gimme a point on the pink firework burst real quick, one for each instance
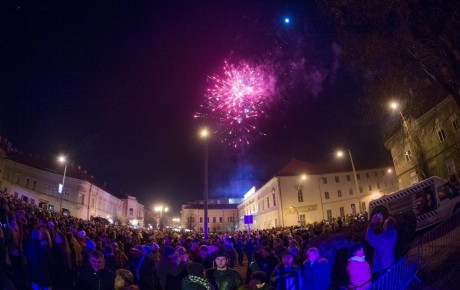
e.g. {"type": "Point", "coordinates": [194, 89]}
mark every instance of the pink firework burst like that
{"type": "Point", "coordinates": [237, 98]}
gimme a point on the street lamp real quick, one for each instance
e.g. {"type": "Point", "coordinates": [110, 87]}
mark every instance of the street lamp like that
{"type": "Point", "coordinates": [205, 135]}
{"type": "Point", "coordinates": [340, 154]}
{"type": "Point", "coordinates": [62, 159]}
{"type": "Point", "coordinates": [160, 209]}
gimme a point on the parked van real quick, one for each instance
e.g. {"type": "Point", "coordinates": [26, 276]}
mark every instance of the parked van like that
{"type": "Point", "coordinates": [429, 201]}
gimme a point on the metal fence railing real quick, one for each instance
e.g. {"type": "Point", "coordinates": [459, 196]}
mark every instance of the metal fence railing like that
{"type": "Point", "coordinates": [430, 258]}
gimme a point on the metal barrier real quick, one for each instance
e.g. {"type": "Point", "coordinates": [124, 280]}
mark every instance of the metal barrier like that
{"type": "Point", "coordinates": [397, 277]}
{"type": "Point", "coordinates": [434, 248]}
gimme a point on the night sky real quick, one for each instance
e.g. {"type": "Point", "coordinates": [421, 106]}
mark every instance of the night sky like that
{"type": "Point", "coordinates": [115, 88]}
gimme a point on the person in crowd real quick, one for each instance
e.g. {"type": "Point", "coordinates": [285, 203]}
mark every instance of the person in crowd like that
{"type": "Point", "coordinates": [315, 272]}
{"type": "Point", "coordinates": [266, 262]}
{"type": "Point", "coordinates": [249, 248]}
{"type": "Point", "coordinates": [285, 276]}
{"type": "Point", "coordinates": [170, 267]}
{"type": "Point", "coordinates": [278, 248]}
{"type": "Point", "coordinates": [95, 276]}
{"type": "Point", "coordinates": [122, 258]}
{"type": "Point", "coordinates": [62, 263]}
{"type": "Point", "coordinates": [257, 281]}
{"type": "Point", "coordinates": [222, 277]}
{"type": "Point", "coordinates": [294, 250]}
{"type": "Point", "coordinates": [195, 280]}
{"type": "Point", "coordinates": [231, 252]}
{"type": "Point", "coordinates": [358, 270]}
{"type": "Point", "coordinates": [39, 262]}
{"type": "Point", "coordinates": [110, 258]}
{"type": "Point", "coordinates": [239, 247]}
{"type": "Point", "coordinates": [146, 270]}
{"type": "Point", "coordinates": [124, 280]}
{"type": "Point", "coordinates": [383, 244]}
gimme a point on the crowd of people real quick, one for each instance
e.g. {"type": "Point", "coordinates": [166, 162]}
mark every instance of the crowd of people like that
{"type": "Point", "coordinates": [40, 249]}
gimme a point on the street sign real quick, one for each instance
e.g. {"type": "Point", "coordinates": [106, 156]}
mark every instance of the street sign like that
{"type": "Point", "coordinates": [248, 220]}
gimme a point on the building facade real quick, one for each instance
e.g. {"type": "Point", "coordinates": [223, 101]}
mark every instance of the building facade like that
{"type": "Point", "coordinates": [222, 215]}
{"type": "Point", "coordinates": [36, 181]}
{"type": "Point", "coordinates": [300, 194]}
{"type": "Point", "coordinates": [427, 146]}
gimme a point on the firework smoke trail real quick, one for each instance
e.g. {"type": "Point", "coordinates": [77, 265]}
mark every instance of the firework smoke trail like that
{"type": "Point", "coordinates": [236, 99]}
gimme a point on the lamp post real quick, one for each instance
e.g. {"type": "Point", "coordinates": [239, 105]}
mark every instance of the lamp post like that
{"type": "Point", "coordinates": [160, 209]}
{"type": "Point", "coordinates": [321, 196]}
{"type": "Point", "coordinates": [205, 134]}
{"type": "Point", "coordinates": [62, 159]}
{"type": "Point", "coordinates": [340, 154]}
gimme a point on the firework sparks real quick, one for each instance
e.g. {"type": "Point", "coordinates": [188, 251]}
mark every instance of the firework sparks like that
{"type": "Point", "coordinates": [236, 99]}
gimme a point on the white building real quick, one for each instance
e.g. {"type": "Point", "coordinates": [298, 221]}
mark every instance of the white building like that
{"type": "Point", "coordinates": [304, 193]}
{"type": "Point", "coordinates": [222, 215]}
{"type": "Point", "coordinates": [36, 180]}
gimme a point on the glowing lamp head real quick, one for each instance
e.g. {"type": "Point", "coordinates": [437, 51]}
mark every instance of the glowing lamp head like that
{"type": "Point", "coordinates": [303, 177]}
{"type": "Point", "coordinates": [287, 20]}
{"type": "Point", "coordinates": [62, 159]}
{"type": "Point", "coordinates": [339, 153]}
{"type": "Point", "coordinates": [394, 105]}
{"type": "Point", "coordinates": [204, 133]}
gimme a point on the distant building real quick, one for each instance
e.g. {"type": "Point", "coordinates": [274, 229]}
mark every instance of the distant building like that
{"type": "Point", "coordinates": [36, 180]}
{"type": "Point", "coordinates": [325, 192]}
{"type": "Point", "coordinates": [428, 145]}
{"type": "Point", "coordinates": [222, 215]}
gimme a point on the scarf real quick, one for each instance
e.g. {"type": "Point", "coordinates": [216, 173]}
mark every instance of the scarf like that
{"type": "Point", "coordinates": [357, 259]}
{"type": "Point", "coordinates": [199, 280]}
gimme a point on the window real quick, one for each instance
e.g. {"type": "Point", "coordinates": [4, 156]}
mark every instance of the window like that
{"type": "Point", "coordinates": [370, 187]}
{"type": "Point", "coordinates": [342, 211]}
{"type": "Point", "coordinates": [358, 176]}
{"type": "Point", "coordinates": [263, 205]}
{"type": "Point", "coordinates": [324, 180]}
{"type": "Point", "coordinates": [337, 180]}
{"type": "Point", "coordinates": [441, 135]}
{"type": "Point", "coordinates": [353, 209]}
{"type": "Point", "coordinates": [201, 229]}
{"type": "Point", "coordinates": [361, 189]}
{"type": "Point", "coordinates": [34, 185]}
{"type": "Point", "coordinates": [408, 155]}
{"type": "Point", "coordinates": [367, 174]}
{"type": "Point", "coordinates": [456, 125]}
{"type": "Point", "coordinates": [221, 219]}
{"type": "Point", "coordinates": [300, 195]}
{"type": "Point", "coordinates": [348, 178]}
{"type": "Point", "coordinates": [378, 185]}
{"type": "Point", "coordinates": [46, 188]}
{"type": "Point", "coordinates": [329, 214]}
{"type": "Point", "coordinates": [326, 195]}
{"type": "Point", "coordinates": [450, 166]}
{"type": "Point", "coordinates": [274, 199]}
{"type": "Point", "coordinates": [201, 219]}
{"type": "Point", "coordinates": [27, 182]}
{"type": "Point", "coordinates": [339, 193]}
{"type": "Point", "coordinates": [81, 198]}
{"type": "Point", "coordinates": [131, 211]}
{"type": "Point", "coordinates": [268, 202]}
{"type": "Point", "coordinates": [363, 206]}
{"type": "Point", "coordinates": [53, 189]}
{"type": "Point", "coordinates": [376, 174]}
{"type": "Point", "coordinates": [214, 219]}
{"type": "Point", "coordinates": [302, 219]}
{"type": "Point", "coordinates": [395, 162]}
{"type": "Point", "coordinates": [413, 178]}
{"type": "Point", "coordinates": [229, 219]}
{"type": "Point", "coordinates": [92, 202]}
{"type": "Point", "coordinates": [350, 191]}
{"type": "Point", "coordinates": [18, 179]}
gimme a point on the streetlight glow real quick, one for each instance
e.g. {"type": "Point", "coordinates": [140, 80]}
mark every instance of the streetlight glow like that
{"type": "Point", "coordinates": [339, 153]}
{"type": "Point", "coordinates": [204, 133]}
{"type": "Point", "coordinates": [303, 177]}
{"type": "Point", "coordinates": [394, 105]}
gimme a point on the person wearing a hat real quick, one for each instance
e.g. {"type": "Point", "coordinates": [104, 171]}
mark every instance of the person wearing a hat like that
{"type": "Point", "coordinates": [222, 277]}
{"type": "Point", "coordinates": [170, 267]}
{"type": "Point", "coordinates": [195, 279]}
{"type": "Point", "coordinates": [358, 270]}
